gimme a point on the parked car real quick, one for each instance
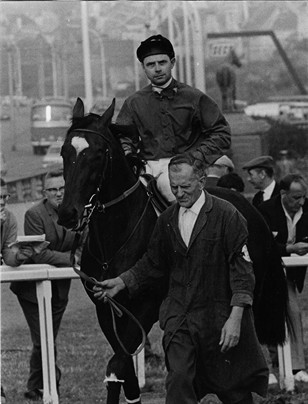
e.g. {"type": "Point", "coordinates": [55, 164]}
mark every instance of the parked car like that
{"type": "Point", "coordinates": [52, 157]}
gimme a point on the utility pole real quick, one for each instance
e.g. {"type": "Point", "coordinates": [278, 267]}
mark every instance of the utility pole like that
{"type": "Point", "coordinates": [11, 94]}
{"type": "Point", "coordinates": [54, 70]}
{"type": "Point", "coordinates": [171, 28]}
{"type": "Point", "coordinates": [86, 55]}
{"type": "Point", "coordinates": [187, 44]}
{"type": "Point", "coordinates": [198, 48]}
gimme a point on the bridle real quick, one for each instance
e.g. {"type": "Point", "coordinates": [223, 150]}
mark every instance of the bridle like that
{"type": "Point", "coordinates": [95, 204]}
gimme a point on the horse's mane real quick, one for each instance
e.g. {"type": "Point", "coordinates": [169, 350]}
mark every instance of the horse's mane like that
{"type": "Point", "coordinates": [83, 122]}
{"type": "Point", "coordinates": [135, 162]}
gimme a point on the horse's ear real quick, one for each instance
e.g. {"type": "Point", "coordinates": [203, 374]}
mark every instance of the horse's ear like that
{"type": "Point", "coordinates": [78, 110]}
{"type": "Point", "coordinates": [108, 114]}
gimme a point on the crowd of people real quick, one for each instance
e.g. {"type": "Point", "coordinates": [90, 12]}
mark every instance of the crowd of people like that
{"type": "Point", "coordinates": [199, 242]}
{"type": "Point", "coordinates": [41, 219]}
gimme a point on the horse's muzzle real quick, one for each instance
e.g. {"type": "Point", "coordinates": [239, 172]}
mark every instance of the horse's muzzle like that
{"type": "Point", "coordinates": [68, 217]}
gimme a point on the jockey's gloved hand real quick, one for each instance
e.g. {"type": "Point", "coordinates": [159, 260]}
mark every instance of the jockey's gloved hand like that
{"type": "Point", "coordinates": [136, 163]}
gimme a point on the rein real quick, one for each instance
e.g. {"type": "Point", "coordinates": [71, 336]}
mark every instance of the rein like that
{"type": "Point", "coordinates": [115, 307]}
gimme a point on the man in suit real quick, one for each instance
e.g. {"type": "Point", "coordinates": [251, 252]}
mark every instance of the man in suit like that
{"type": "Point", "coordinates": [223, 165]}
{"type": "Point", "coordinates": [198, 249]}
{"type": "Point", "coordinates": [10, 256]}
{"type": "Point", "coordinates": [261, 175]}
{"type": "Point", "coordinates": [287, 217]}
{"type": "Point", "coordinates": [42, 219]}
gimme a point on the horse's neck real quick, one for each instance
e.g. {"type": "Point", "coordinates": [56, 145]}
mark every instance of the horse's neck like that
{"type": "Point", "coordinates": [121, 225]}
{"type": "Point", "coordinates": [118, 179]}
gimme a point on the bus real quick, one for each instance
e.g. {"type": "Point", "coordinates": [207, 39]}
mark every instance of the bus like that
{"type": "Point", "coordinates": [291, 109]}
{"type": "Point", "coordinates": [50, 119]}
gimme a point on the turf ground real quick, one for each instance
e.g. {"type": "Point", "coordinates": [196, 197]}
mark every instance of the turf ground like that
{"type": "Point", "coordinates": [83, 352]}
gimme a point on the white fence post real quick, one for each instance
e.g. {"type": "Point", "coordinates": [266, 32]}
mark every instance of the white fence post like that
{"type": "Point", "coordinates": [286, 378]}
{"type": "Point", "coordinates": [43, 274]}
{"type": "Point", "coordinates": [43, 292]}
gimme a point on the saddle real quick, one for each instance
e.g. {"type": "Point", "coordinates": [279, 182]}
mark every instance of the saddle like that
{"type": "Point", "coordinates": [159, 202]}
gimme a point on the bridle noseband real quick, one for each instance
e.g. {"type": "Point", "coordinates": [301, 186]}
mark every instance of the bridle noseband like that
{"type": "Point", "coordinates": [101, 207]}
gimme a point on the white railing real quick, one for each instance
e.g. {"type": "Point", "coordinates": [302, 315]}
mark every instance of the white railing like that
{"type": "Point", "coordinates": [44, 274]}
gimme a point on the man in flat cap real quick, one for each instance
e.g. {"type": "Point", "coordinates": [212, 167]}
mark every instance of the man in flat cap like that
{"type": "Point", "coordinates": [223, 165]}
{"type": "Point", "coordinates": [170, 117]}
{"type": "Point", "coordinates": [261, 175]}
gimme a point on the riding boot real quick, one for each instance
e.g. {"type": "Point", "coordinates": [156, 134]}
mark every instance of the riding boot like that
{"type": "Point", "coordinates": [113, 392]}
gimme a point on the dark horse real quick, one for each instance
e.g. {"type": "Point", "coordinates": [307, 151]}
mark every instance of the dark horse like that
{"type": "Point", "coordinates": [98, 174]}
{"type": "Point", "coordinates": [121, 224]}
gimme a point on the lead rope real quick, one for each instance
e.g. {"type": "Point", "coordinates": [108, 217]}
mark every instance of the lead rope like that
{"type": "Point", "coordinates": [116, 308]}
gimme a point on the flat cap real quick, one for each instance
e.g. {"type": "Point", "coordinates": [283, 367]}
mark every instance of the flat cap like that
{"type": "Point", "coordinates": [155, 45]}
{"type": "Point", "coordinates": [224, 161]}
{"type": "Point", "coordinates": [259, 162]}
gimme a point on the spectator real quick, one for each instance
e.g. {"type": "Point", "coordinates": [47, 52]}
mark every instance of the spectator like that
{"type": "Point", "coordinates": [10, 256]}
{"type": "Point", "coordinates": [169, 117]}
{"type": "Point", "coordinates": [221, 166]}
{"type": "Point", "coordinates": [199, 249]}
{"type": "Point", "coordinates": [287, 217]}
{"type": "Point", "coordinates": [232, 181]}
{"type": "Point", "coordinates": [261, 176]}
{"type": "Point", "coordinates": [284, 165]}
{"type": "Point", "coordinates": [42, 219]}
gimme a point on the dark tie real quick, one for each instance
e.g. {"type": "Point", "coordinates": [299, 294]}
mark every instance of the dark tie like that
{"type": "Point", "coordinates": [168, 92]}
{"type": "Point", "coordinates": [258, 199]}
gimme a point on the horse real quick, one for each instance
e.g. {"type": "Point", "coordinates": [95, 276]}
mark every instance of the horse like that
{"type": "Point", "coordinates": [98, 175]}
{"type": "Point", "coordinates": [122, 219]}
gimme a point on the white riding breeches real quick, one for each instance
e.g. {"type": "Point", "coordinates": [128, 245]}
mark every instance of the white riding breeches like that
{"type": "Point", "coordinates": [159, 170]}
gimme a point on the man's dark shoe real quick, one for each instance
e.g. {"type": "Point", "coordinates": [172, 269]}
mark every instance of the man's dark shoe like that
{"type": "Point", "coordinates": [34, 395]}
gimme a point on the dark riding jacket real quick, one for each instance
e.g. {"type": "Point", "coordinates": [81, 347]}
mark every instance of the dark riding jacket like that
{"type": "Point", "coordinates": [203, 281]}
{"type": "Point", "coordinates": [179, 119]}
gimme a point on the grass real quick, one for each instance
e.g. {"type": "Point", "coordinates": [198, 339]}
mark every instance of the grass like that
{"type": "Point", "coordinates": [83, 353]}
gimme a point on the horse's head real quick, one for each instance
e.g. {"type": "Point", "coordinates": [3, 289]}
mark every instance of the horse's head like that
{"type": "Point", "coordinates": [86, 153]}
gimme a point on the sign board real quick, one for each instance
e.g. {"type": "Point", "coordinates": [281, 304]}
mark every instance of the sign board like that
{"type": "Point", "coordinates": [219, 49]}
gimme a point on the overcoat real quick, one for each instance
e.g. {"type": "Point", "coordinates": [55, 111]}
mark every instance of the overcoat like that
{"type": "Point", "coordinates": [275, 192]}
{"type": "Point", "coordinates": [202, 282]}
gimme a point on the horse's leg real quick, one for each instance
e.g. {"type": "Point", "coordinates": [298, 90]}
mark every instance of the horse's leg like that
{"type": "Point", "coordinates": [123, 364]}
{"type": "Point", "coordinates": [131, 384]}
{"type": "Point", "coordinates": [113, 392]}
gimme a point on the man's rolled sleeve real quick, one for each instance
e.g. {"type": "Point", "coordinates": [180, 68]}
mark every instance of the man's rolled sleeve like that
{"type": "Point", "coordinates": [241, 300]}
{"type": "Point", "coordinates": [130, 282]}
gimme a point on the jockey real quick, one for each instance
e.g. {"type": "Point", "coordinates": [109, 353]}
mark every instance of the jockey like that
{"type": "Point", "coordinates": [170, 117]}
